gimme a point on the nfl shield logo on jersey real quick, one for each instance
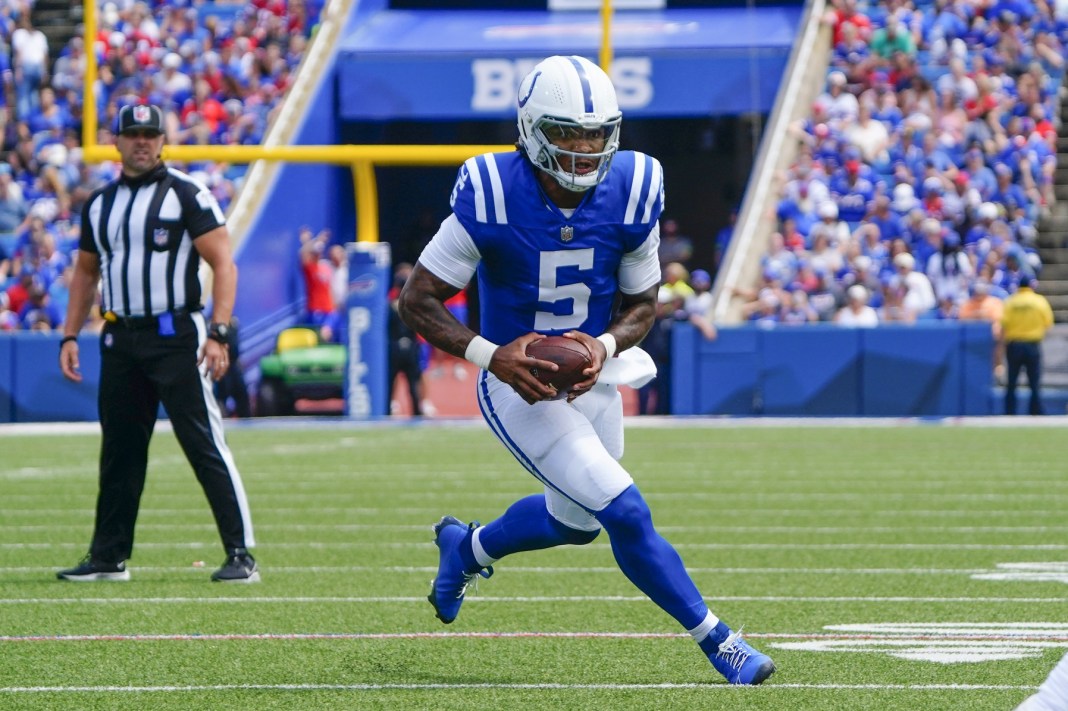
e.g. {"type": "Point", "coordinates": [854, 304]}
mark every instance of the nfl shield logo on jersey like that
{"type": "Point", "coordinates": [160, 236]}
{"type": "Point", "coordinates": [567, 233]}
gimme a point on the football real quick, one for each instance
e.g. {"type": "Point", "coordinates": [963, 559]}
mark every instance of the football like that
{"type": "Point", "coordinates": [569, 354]}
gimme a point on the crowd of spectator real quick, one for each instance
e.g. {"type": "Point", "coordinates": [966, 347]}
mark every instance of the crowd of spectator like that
{"type": "Point", "coordinates": [924, 167]}
{"type": "Point", "coordinates": [923, 170]}
{"type": "Point", "coordinates": [218, 69]}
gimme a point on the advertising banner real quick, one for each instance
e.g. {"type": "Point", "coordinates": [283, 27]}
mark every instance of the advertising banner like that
{"type": "Point", "coordinates": [367, 324]}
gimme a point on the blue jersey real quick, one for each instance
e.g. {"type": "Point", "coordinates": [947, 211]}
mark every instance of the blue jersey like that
{"type": "Point", "coordinates": [539, 270]}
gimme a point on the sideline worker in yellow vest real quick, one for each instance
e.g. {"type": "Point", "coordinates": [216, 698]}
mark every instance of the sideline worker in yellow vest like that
{"type": "Point", "coordinates": [1024, 324]}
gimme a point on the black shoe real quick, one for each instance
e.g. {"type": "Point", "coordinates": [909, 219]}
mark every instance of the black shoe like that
{"type": "Point", "coordinates": [91, 569]}
{"type": "Point", "coordinates": [240, 567]}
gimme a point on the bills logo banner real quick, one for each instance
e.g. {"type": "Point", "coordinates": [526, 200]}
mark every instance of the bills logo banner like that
{"type": "Point", "coordinates": [367, 330]}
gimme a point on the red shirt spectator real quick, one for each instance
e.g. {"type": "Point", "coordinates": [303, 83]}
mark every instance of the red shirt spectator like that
{"type": "Point", "coordinates": [846, 11]}
{"type": "Point", "coordinates": [19, 293]}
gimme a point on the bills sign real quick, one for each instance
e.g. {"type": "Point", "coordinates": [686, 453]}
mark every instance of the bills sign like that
{"type": "Point", "coordinates": [366, 389]}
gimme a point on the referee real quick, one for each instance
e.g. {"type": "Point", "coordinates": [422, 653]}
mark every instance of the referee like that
{"type": "Point", "coordinates": [142, 239]}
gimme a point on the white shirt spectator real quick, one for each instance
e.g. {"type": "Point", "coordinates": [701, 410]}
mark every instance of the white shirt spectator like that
{"type": "Point", "coordinates": [840, 106]}
{"type": "Point", "coordinates": [920, 297]}
{"type": "Point", "coordinates": [857, 313]}
{"type": "Point", "coordinates": [29, 47]}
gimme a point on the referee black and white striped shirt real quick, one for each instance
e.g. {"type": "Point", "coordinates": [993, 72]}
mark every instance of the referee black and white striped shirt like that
{"type": "Point", "coordinates": [143, 230]}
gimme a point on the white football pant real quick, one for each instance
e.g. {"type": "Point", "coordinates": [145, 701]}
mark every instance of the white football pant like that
{"type": "Point", "coordinates": [571, 448]}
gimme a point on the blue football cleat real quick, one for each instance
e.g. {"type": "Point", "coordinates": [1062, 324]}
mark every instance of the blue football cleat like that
{"type": "Point", "coordinates": [448, 588]}
{"type": "Point", "coordinates": [736, 660]}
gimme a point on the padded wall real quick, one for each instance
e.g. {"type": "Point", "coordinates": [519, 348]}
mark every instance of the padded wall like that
{"type": "Point", "coordinates": [928, 369]}
{"type": "Point", "coordinates": [39, 391]}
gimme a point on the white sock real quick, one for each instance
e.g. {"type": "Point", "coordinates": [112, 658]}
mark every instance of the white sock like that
{"type": "Point", "coordinates": [481, 556]}
{"type": "Point", "coordinates": [705, 628]}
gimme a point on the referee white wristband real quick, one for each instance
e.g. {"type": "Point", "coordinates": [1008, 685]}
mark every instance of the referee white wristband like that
{"type": "Point", "coordinates": [480, 352]}
{"type": "Point", "coordinates": [609, 342]}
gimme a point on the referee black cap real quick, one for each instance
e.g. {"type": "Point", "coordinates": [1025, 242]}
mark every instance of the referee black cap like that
{"type": "Point", "coordinates": [140, 118]}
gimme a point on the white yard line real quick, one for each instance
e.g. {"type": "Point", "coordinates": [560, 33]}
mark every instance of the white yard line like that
{"type": "Point", "coordinates": [325, 423]}
{"type": "Point", "coordinates": [726, 688]}
{"type": "Point", "coordinates": [273, 600]}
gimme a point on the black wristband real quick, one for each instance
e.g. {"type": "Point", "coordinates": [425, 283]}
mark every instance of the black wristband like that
{"type": "Point", "coordinates": [66, 339]}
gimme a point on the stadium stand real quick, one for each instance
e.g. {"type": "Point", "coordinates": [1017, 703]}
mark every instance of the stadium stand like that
{"type": "Point", "coordinates": [937, 129]}
{"type": "Point", "coordinates": [219, 69]}
{"type": "Point", "coordinates": [935, 134]}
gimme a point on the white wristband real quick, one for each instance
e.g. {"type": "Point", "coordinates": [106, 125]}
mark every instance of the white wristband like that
{"type": "Point", "coordinates": [480, 352]}
{"type": "Point", "coordinates": [609, 342]}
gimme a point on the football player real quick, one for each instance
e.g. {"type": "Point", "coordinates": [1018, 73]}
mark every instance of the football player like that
{"type": "Point", "coordinates": [563, 236]}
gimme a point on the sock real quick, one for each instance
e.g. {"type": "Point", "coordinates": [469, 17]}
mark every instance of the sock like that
{"type": "Point", "coordinates": [710, 644]}
{"type": "Point", "coordinates": [649, 561]}
{"type": "Point", "coordinates": [702, 631]}
{"type": "Point", "coordinates": [527, 525]}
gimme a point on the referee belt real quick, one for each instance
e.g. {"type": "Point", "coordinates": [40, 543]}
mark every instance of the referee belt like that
{"type": "Point", "coordinates": [136, 323]}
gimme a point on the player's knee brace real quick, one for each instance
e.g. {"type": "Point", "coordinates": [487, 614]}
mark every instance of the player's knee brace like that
{"type": "Point", "coordinates": [628, 516]}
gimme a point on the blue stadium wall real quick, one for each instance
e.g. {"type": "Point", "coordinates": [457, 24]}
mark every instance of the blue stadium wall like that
{"type": "Point", "coordinates": [940, 369]}
{"type": "Point", "coordinates": [926, 369]}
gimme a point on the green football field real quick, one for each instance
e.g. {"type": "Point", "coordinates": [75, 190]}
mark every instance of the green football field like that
{"type": "Point", "coordinates": [886, 565]}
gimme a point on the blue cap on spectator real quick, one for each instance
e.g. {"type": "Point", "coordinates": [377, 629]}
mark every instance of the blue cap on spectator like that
{"type": "Point", "coordinates": [140, 117]}
{"type": "Point", "coordinates": [700, 276]}
{"type": "Point", "coordinates": [1002, 169]}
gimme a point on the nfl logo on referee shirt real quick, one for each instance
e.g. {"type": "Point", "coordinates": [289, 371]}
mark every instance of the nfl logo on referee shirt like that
{"type": "Point", "coordinates": [567, 233]}
{"type": "Point", "coordinates": [159, 236]}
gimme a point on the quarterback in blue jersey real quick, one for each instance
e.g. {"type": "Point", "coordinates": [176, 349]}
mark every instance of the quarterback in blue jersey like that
{"type": "Point", "coordinates": [562, 235]}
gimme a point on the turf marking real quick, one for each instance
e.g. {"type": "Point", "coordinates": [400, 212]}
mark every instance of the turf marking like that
{"type": "Point", "coordinates": [510, 599]}
{"type": "Point", "coordinates": [537, 570]}
{"type": "Point", "coordinates": [687, 546]}
{"type": "Point", "coordinates": [727, 688]}
{"type": "Point", "coordinates": [1053, 572]}
{"type": "Point", "coordinates": [997, 632]}
{"type": "Point", "coordinates": [942, 642]}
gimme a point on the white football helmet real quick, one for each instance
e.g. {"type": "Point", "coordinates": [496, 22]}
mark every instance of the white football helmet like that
{"type": "Point", "coordinates": [568, 97]}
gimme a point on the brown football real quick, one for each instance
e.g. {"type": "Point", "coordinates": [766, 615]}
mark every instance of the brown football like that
{"type": "Point", "coordinates": [569, 354]}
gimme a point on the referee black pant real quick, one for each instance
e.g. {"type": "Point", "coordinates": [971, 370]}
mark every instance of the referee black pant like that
{"type": "Point", "coordinates": [140, 368]}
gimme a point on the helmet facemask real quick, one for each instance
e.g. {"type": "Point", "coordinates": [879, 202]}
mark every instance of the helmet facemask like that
{"type": "Point", "coordinates": [577, 170]}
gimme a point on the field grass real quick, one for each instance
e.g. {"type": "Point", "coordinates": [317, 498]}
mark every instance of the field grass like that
{"type": "Point", "coordinates": [909, 566]}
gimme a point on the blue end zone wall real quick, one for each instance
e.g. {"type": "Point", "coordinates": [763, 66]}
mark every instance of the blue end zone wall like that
{"type": "Point", "coordinates": [939, 369]}
{"type": "Point", "coordinates": [33, 390]}
{"type": "Point", "coordinates": [936, 369]}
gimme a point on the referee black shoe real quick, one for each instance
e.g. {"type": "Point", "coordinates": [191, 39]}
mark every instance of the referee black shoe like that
{"type": "Point", "coordinates": [91, 569]}
{"type": "Point", "coordinates": [240, 567]}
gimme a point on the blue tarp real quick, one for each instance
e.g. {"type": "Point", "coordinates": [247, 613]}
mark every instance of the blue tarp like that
{"type": "Point", "coordinates": [457, 66]}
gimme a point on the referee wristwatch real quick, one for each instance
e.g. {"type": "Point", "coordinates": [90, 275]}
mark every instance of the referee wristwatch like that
{"type": "Point", "coordinates": [219, 332]}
